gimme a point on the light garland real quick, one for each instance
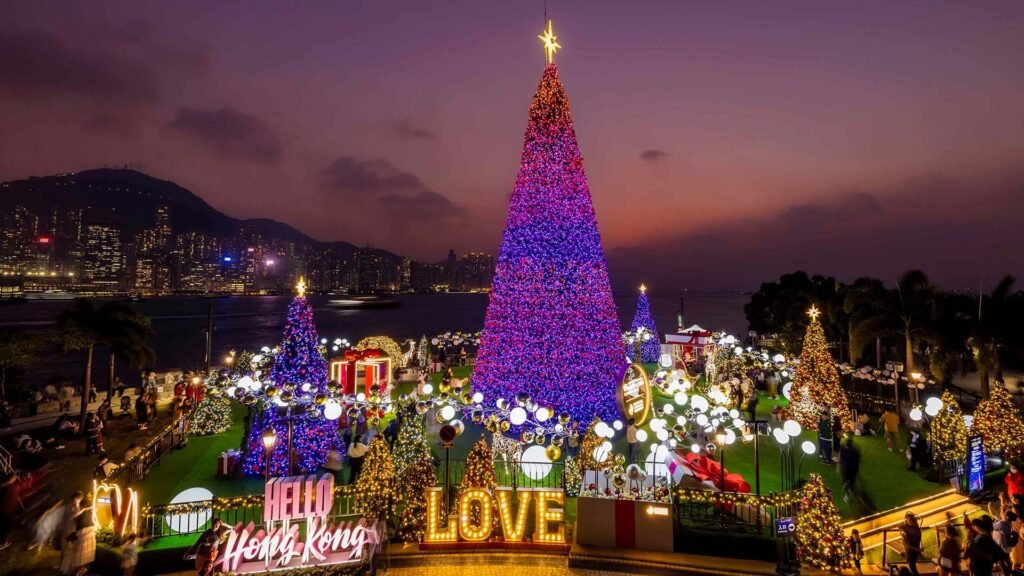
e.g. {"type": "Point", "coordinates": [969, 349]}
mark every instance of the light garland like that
{"type": "Point", "coordinates": [386, 345]}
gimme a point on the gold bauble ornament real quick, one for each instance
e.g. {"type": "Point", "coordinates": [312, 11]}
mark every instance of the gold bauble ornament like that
{"type": "Point", "coordinates": [505, 425]}
{"type": "Point", "coordinates": [320, 399]}
{"type": "Point", "coordinates": [271, 391]}
{"type": "Point", "coordinates": [553, 452]}
{"type": "Point", "coordinates": [620, 459]}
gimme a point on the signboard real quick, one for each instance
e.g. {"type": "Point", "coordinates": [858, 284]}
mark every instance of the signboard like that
{"type": "Point", "coordinates": [634, 395]}
{"type": "Point", "coordinates": [785, 526]}
{"type": "Point", "coordinates": [280, 543]}
{"type": "Point", "coordinates": [512, 509]}
{"type": "Point", "coordinates": [975, 465]}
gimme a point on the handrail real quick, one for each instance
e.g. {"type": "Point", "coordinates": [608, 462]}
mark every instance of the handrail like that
{"type": "Point", "coordinates": [136, 469]}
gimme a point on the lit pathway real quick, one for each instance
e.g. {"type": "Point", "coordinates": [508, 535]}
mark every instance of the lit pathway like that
{"type": "Point", "coordinates": [496, 563]}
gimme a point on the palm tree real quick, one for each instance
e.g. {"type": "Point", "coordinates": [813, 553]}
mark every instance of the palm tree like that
{"type": "Point", "coordinates": [115, 325]}
{"type": "Point", "coordinates": [993, 331]}
{"type": "Point", "coordinates": [906, 311]}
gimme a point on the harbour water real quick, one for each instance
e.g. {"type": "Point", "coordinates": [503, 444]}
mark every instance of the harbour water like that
{"type": "Point", "coordinates": [252, 322]}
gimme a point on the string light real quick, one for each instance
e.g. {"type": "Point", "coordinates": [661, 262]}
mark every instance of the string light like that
{"type": "Point", "coordinates": [375, 488]}
{"type": "Point", "coordinates": [949, 432]}
{"type": "Point", "coordinates": [480, 528]}
{"type": "Point", "coordinates": [546, 515]}
{"type": "Point", "coordinates": [513, 529]}
{"type": "Point", "coordinates": [551, 298]}
{"type": "Point", "coordinates": [434, 531]}
{"type": "Point", "coordinates": [820, 541]}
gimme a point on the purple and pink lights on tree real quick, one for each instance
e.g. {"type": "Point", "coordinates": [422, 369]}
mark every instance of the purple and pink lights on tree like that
{"type": "Point", "coordinates": [551, 328]}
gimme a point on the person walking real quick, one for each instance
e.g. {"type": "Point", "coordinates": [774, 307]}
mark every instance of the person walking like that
{"type": "Point", "coordinates": [46, 526]}
{"type": "Point", "coordinates": [849, 468]}
{"type": "Point", "coordinates": [856, 549]}
{"type": "Point", "coordinates": [142, 412]}
{"type": "Point", "coordinates": [910, 532]}
{"type": "Point", "coordinates": [356, 452]}
{"type": "Point", "coordinates": [130, 554]}
{"type": "Point", "coordinates": [67, 393]}
{"type": "Point", "coordinates": [772, 380]}
{"type": "Point", "coordinates": [950, 552]}
{"type": "Point", "coordinates": [208, 547]}
{"type": "Point", "coordinates": [891, 426]}
{"type": "Point", "coordinates": [334, 462]}
{"type": "Point", "coordinates": [825, 437]}
{"type": "Point", "coordinates": [634, 443]}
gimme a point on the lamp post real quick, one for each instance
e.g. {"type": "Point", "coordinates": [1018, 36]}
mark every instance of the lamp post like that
{"type": "Point", "coordinates": [721, 437]}
{"type": "Point", "coordinates": [269, 439]}
{"type": "Point", "coordinates": [752, 432]}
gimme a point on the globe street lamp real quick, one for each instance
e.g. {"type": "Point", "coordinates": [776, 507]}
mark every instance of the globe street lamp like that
{"type": "Point", "coordinates": [721, 438]}
{"type": "Point", "coordinates": [269, 439]}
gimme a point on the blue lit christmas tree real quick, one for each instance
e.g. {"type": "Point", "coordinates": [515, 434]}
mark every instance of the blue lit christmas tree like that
{"type": "Point", "coordinates": [650, 349]}
{"type": "Point", "coordinates": [299, 374]}
{"type": "Point", "coordinates": [551, 328]}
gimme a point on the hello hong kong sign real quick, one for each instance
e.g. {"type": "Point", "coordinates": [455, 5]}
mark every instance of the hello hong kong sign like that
{"type": "Point", "coordinates": [280, 543]}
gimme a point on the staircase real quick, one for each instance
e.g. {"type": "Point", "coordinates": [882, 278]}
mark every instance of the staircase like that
{"type": "Point", "coordinates": [933, 511]}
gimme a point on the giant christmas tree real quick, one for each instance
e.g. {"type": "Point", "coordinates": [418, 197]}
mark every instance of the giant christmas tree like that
{"type": "Point", "coordinates": [551, 329]}
{"type": "Point", "coordinates": [816, 385]}
{"type": "Point", "coordinates": [288, 400]}
{"type": "Point", "coordinates": [650, 349]}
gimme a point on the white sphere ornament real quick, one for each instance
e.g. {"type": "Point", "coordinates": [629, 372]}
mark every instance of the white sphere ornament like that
{"type": "Point", "coordinates": [332, 409]}
{"type": "Point", "coordinates": [730, 436]}
{"type": "Point", "coordinates": [665, 360]}
{"type": "Point", "coordinates": [617, 424]}
{"type": "Point", "coordinates": [681, 398]}
{"type": "Point", "coordinates": [662, 434]}
{"type": "Point", "coordinates": [601, 429]}
{"type": "Point", "coordinates": [780, 436]}
{"type": "Point", "coordinates": [478, 398]}
{"type": "Point", "coordinates": [779, 358]}
{"type": "Point", "coordinates": [915, 414]}
{"type": "Point", "coordinates": [792, 427]}
{"type": "Point", "coordinates": [543, 414]}
{"type": "Point", "coordinates": [603, 451]}
{"type": "Point", "coordinates": [933, 401]}
{"type": "Point", "coordinates": [428, 389]}
{"type": "Point", "coordinates": [192, 521]}
{"type": "Point", "coordinates": [702, 420]}
{"type": "Point", "coordinates": [448, 412]}
{"type": "Point", "coordinates": [681, 420]}
{"type": "Point", "coordinates": [787, 390]}
{"type": "Point", "coordinates": [518, 415]}
{"type": "Point", "coordinates": [695, 448]}
{"type": "Point", "coordinates": [932, 411]}
{"type": "Point", "coordinates": [535, 462]}
{"type": "Point", "coordinates": [808, 447]}
{"type": "Point", "coordinates": [641, 435]}
{"type": "Point", "coordinates": [699, 403]}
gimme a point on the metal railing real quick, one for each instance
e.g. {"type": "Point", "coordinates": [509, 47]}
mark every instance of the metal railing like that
{"type": "Point", "coordinates": [734, 511]}
{"type": "Point", "coordinates": [136, 469]}
{"type": "Point", "coordinates": [194, 517]}
{"type": "Point", "coordinates": [517, 475]}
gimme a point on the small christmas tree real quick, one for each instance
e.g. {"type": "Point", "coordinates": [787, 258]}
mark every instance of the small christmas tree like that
{"type": "Point", "coordinates": [375, 488]}
{"type": "Point", "coordinates": [212, 416]}
{"type": "Point", "coordinates": [411, 445]}
{"type": "Point", "coordinates": [650, 350]}
{"type": "Point", "coordinates": [999, 423]}
{"type": "Point", "coordinates": [573, 476]}
{"type": "Point", "coordinates": [590, 443]}
{"type": "Point", "coordinates": [820, 541]}
{"type": "Point", "coordinates": [480, 474]}
{"type": "Point", "coordinates": [423, 354]}
{"type": "Point", "coordinates": [412, 485]}
{"type": "Point", "coordinates": [816, 385]}
{"type": "Point", "coordinates": [949, 432]}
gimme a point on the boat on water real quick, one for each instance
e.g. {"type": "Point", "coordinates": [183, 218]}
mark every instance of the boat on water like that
{"type": "Point", "coordinates": [363, 303]}
{"type": "Point", "coordinates": [8, 300]}
{"type": "Point", "coordinates": [51, 295]}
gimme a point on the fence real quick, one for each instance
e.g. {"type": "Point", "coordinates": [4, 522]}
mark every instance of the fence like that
{"type": "Point", "coordinates": [136, 469]}
{"type": "Point", "coordinates": [193, 517]}
{"type": "Point", "coordinates": [734, 511]}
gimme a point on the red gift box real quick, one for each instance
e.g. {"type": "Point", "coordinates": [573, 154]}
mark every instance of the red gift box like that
{"type": "Point", "coordinates": [226, 463]}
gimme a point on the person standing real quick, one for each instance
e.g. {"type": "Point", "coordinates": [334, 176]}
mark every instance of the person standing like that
{"type": "Point", "coordinates": [825, 437]}
{"type": "Point", "coordinates": [1014, 481]}
{"type": "Point", "coordinates": [918, 450]}
{"type": "Point", "coordinates": [910, 532]}
{"type": "Point", "coordinates": [949, 552]}
{"type": "Point", "coordinates": [142, 412]}
{"type": "Point", "coordinates": [356, 452]}
{"type": "Point", "coordinates": [772, 380]}
{"type": "Point", "coordinates": [334, 461]}
{"type": "Point", "coordinates": [891, 426]}
{"type": "Point", "coordinates": [207, 548]}
{"type": "Point", "coordinates": [92, 434]}
{"type": "Point", "coordinates": [983, 553]}
{"type": "Point", "coordinates": [856, 549]}
{"type": "Point", "coordinates": [634, 443]}
{"type": "Point", "coordinates": [67, 393]}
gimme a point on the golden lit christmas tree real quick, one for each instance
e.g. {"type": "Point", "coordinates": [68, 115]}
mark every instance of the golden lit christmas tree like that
{"type": "Point", "coordinates": [820, 541]}
{"type": "Point", "coordinates": [480, 474]}
{"type": "Point", "coordinates": [816, 384]}
{"type": "Point", "coordinates": [413, 482]}
{"type": "Point", "coordinates": [590, 443]}
{"type": "Point", "coordinates": [999, 422]}
{"type": "Point", "coordinates": [949, 432]}
{"type": "Point", "coordinates": [411, 444]}
{"type": "Point", "coordinates": [375, 488]}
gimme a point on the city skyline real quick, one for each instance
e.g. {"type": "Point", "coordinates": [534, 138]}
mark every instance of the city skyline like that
{"type": "Point", "coordinates": [725, 145]}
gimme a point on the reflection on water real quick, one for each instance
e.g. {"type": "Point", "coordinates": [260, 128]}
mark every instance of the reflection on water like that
{"type": "Point", "coordinates": [248, 323]}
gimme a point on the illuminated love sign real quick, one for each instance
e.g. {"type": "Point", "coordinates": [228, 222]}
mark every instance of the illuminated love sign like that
{"type": "Point", "coordinates": [282, 544]}
{"type": "Point", "coordinates": [512, 518]}
{"type": "Point", "coordinates": [114, 509]}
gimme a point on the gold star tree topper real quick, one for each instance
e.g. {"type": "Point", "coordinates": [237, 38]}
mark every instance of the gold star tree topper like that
{"type": "Point", "coordinates": [814, 312]}
{"type": "Point", "coordinates": [643, 289]}
{"type": "Point", "coordinates": [300, 288]}
{"type": "Point", "coordinates": [550, 46]}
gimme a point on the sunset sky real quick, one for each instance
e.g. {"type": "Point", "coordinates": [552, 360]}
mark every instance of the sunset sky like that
{"type": "Point", "coordinates": [725, 142]}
